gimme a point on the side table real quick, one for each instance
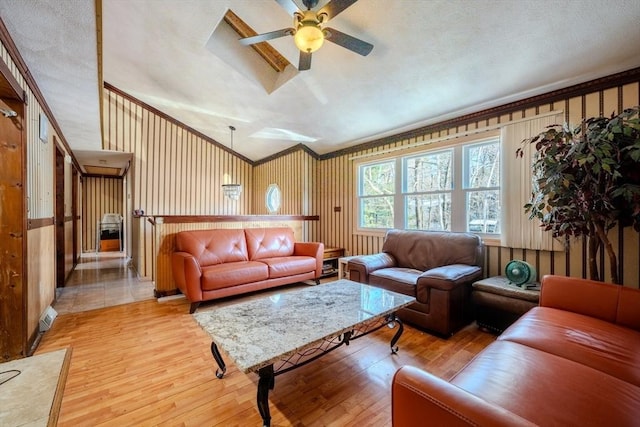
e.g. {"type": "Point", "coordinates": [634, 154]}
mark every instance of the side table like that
{"type": "Point", "coordinates": [343, 270]}
{"type": "Point", "coordinates": [498, 303]}
{"type": "Point", "coordinates": [330, 261]}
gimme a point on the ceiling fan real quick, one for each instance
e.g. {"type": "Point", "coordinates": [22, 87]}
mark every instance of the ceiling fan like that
{"type": "Point", "coordinates": [308, 32]}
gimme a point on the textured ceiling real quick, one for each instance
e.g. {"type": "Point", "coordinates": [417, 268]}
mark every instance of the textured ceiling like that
{"type": "Point", "coordinates": [432, 60]}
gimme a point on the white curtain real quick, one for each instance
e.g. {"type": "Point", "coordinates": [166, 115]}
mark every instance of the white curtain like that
{"type": "Point", "coordinates": [518, 231]}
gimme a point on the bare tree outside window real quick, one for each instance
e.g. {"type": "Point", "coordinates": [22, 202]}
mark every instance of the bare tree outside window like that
{"type": "Point", "coordinates": [428, 188]}
{"type": "Point", "coordinates": [452, 189]}
{"type": "Point", "coordinates": [483, 182]}
{"type": "Point", "coordinates": [377, 192]}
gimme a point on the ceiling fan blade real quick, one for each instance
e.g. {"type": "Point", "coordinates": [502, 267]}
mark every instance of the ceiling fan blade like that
{"type": "Point", "coordinates": [267, 36]}
{"type": "Point", "coordinates": [305, 61]}
{"type": "Point", "coordinates": [289, 6]}
{"type": "Point", "coordinates": [334, 7]}
{"type": "Point", "coordinates": [349, 42]}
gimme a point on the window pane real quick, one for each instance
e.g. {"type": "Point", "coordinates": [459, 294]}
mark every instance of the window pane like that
{"type": "Point", "coordinates": [377, 179]}
{"type": "Point", "coordinates": [484, 165]}
{"type": "Point", "coordinates": [431, 172]}
{"type": "Point", "coordinates": [272, 198]}
{"type": "Point", "coordinates": [429, 212]}
{"type": "Point", "coordinates": [377, 212]}
{"type": "Point", "coordinates": [483, 211]}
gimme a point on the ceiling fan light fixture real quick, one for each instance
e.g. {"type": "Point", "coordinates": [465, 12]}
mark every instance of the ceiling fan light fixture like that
{"type": "Point", "coordinates": [309, 37]}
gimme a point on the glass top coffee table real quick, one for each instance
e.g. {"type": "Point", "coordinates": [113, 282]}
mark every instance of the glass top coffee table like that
{"type": "Point", "coordinates": [274, 334]}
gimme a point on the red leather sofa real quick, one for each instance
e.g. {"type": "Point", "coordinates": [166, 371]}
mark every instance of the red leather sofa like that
{"type": "Point", "coordinates": [572, 361]}
{"type": "Point", "coordinates": [437, 268]}
{"type": "Point", "coordinates": [211, 264]}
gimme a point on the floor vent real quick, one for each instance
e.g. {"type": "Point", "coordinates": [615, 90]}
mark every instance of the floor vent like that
{"type": "Point", "coordinates": [47, 318]}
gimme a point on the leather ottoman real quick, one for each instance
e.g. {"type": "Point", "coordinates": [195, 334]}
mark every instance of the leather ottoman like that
{"type": "Point", "coordinates": [498, 303]}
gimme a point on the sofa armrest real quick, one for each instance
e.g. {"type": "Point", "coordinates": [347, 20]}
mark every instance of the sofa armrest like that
{"type": "Point", "coordinates": [418, 397]}
{"type": "Point", "coordinates": [186, 273]}
{"type": "Point", "coordinates": [312, 249]}
{"type": "Point", "coordinates": [613, 303]}
{"type": "Point", "coordinates": [360, 267]}
{"type": "Point", "coordinates": [448, 277]}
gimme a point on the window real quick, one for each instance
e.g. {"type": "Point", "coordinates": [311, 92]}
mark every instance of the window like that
{"type": "Point", "coordinates": [452, 189]}
{"type": "Point", "coordinates": [272, 198]}
{"type": "Point", "coordinates": [428, 186]}
{"type": "Point", "coordinates": [377, 190]}
{"type": "Point", "coordinates": [482, 187]}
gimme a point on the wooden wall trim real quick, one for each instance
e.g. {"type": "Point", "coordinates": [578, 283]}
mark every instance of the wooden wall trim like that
{"type": "Point", "coordinates": [580, 89]}
{"type": "Point", "coordinates": [181, 219]}
{"type": "Point", "coordinates": [7, 41]}
{"type": "Point", "coordinates": [290, 150]}
{"type": "Point", "coordinates": [175, 121]}
{"type": "Point", "coordinates": [96, 175]}
{"type": "Point", "coordinates": [34, 223]}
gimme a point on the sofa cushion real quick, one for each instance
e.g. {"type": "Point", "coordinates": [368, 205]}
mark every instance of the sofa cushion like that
{"type": "Point", "coordinates": [449, 276]}
{"type": "Point", "coordinates": [269, 242]}
{"type": "Point", "coordinates": [605, 346]}
{"type": "Point", "coordinates": [396, 279]}
{"type": "Point", "coordinates": [547, 389]}
{"type": "Point", "coordinates": [212, 247]}
{"type": "Point", "coordinates": [289, 265]}
{"type": "Point", "coordinates": [233, 273]}
{"type": "Point", "coordinates": [424, 250]}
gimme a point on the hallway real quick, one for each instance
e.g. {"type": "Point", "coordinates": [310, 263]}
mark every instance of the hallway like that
{"type": "Point", "coordinates": [101, 279]}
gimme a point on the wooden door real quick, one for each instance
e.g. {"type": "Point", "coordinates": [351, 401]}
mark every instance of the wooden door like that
{"type": "Point", "coordinates": [13, 239]}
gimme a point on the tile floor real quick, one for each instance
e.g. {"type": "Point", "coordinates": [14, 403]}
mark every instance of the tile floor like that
{"type": "Point", "coordinates": [101, 279]}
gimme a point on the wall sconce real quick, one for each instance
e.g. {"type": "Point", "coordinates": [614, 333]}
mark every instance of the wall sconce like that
{"type": "Point", "coordinates": [232, 191]}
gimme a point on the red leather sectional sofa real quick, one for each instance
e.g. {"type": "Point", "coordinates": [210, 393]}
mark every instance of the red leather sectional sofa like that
{"type": "Point", "coordinates": [572, 361]}
{"type": "Point", "coordinates": [211, 264]}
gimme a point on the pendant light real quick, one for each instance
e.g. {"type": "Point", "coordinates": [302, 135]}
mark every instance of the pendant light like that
{"type": "Point", "coordinates": [232, 191]}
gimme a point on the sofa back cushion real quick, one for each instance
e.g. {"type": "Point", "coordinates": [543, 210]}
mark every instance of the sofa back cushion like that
{"type": "Point", "coordinates": [269, 242]}
{"type": "Point", "coordinates": [424, 250]}
{"type": "Point", "coordinates": [212, 247]}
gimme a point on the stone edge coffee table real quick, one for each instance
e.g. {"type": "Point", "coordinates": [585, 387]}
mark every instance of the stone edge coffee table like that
{"type": "Point", "coordinates": [274, 334]}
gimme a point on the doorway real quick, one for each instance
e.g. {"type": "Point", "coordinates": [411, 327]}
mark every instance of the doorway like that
{"type": "Point", "coordinates": [59, 216]}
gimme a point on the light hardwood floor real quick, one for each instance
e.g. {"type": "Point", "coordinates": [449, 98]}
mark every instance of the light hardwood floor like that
{"type": "Point", "coordinates": [148, 363]}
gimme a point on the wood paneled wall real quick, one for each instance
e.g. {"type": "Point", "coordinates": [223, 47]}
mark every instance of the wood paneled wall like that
{"type": "Point", "coordinates": [100, 195]}
{"type": "Point", "coordinates": [296, 175]}
{"type": "Point", "coordinates": [41, 271]}
{"type": "Point", "coordinates": [322, 185]}
{"type": "Point", "coordinates": [336, 188]}
{"type": "Point", "coordinates": [40, 155]}
{"type": "Point", "coordinates": [175, 171]}
{"type": "Point", "coordinates": [39, 288]}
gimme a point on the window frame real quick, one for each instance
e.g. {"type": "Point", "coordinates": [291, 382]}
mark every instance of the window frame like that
{"type": "Point", "coordinates": [458, 194]}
